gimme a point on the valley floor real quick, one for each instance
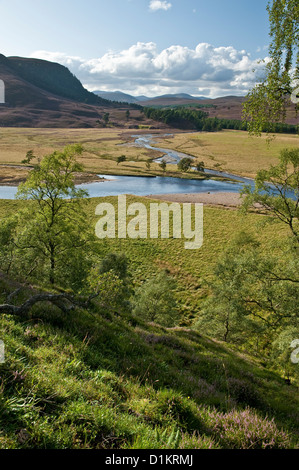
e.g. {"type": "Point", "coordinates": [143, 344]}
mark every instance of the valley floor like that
{"type": "Point", "coordinates": [229, 151]}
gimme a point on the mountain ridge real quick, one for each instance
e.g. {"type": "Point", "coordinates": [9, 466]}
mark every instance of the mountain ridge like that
{"type": "Point", "coordinates": [49, 76]}
{"type": "Point", "coordinates": [39, 93]}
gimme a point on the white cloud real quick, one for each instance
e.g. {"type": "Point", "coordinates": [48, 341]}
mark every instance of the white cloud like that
{"type": "Point", "coordinates": [143, 69]}
{"type": "Point", "coordinates": [159, 5]}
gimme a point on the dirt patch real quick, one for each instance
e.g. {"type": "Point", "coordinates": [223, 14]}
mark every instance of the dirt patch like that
{"type": "Point", "coordinates": [12, 175]}
{"type": "Point", "coordinates": [224, 199]}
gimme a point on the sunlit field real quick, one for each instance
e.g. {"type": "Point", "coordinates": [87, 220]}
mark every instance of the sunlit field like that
{"type": "Point", "coordinates": [192, 269]}
{"type": "Point", "coordinates": [102, 147]}
{"type": "Point", "coordinates": [232, 151]}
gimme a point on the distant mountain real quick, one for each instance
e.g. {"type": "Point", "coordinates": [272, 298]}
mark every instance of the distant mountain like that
{"type": "Point", "coordinates": [52, 77]}
{"type": "Point", "coordinates": [172, 100]}
{"type": "Point", "coordinates": [118, 96]}
{"type": "Point", "coordinates": [142, 98]}
{"type": "Point", "coordinates": [39, 93]}
{"type": "Point", "coordinates": [121, 97]}
{"type": "Point", "coordinates": [182, 96]}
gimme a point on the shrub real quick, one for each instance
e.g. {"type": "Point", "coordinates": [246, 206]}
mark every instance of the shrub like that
{"type": "Point", "coordinates": [155, 301]}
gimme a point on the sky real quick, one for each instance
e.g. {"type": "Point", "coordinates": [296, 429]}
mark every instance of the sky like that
{"type": "Point", "coordinates": [144, 47]}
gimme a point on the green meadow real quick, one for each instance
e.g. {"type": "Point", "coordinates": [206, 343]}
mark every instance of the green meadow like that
{"type": "Point", "coordinates": [192, 269]}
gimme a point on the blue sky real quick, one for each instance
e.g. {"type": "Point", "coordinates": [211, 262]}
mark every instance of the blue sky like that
{"type": "Point", "coordinates": [203, 47]}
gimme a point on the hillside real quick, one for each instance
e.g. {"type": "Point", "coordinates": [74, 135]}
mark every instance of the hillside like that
{"type": "Point", "coordinates": [54, 78]}
{"type": "Point", "coordinates": [39, 93]}
{"type": "Point", "coordinates": [228, 107]}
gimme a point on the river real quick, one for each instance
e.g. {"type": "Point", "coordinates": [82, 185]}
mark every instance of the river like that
{"type": "Point", "coordinates": [146, 185]}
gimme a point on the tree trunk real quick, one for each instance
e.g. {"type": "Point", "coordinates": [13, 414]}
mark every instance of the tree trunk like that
{"type": "Point", "coordinates": [226, 328]}
{"type": "Point", "coordinates": [52, 264]}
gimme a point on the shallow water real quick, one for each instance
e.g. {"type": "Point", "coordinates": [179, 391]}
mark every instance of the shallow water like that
{"type": "Point", "coordinates": [145, 185]}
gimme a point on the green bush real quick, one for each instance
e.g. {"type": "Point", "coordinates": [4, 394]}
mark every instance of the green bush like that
{"type": "Point", "coordinates": [155, 301]}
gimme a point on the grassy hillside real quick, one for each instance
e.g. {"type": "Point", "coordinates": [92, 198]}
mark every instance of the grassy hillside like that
{"type": "Point", "coordinates": [192, 269]}
{"type": "Point", "coordinates": [46, 76]}
{"type": "Point", "coordinates": [226, 107]}
{"type": "Point", "coordinates": [110, 382]}
{"type": "Point", "coordinates": [54, 78]}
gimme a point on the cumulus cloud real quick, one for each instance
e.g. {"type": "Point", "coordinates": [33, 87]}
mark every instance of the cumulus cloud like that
{"type": "Point", "coordinates": [159, 5]}
{"type": "Point", "coordinates": [143, 69]}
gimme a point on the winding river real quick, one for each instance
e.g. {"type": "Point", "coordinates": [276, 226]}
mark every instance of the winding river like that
{"type": "Point", "coordinates": [146, 185]}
